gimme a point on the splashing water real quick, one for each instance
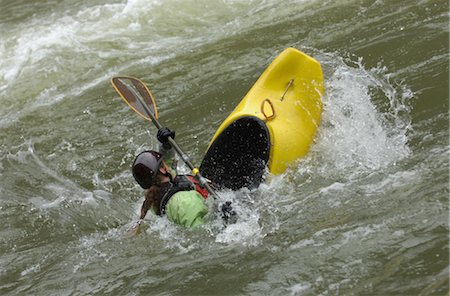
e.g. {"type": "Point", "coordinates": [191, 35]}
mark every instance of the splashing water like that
{"type": "Point", "coordinates": [356, 136]}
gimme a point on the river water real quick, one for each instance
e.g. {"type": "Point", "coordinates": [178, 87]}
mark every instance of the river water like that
{"type": "Point", "coordinates": [366, 212]}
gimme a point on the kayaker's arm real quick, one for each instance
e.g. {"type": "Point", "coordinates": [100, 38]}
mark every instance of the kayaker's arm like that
{"type": "Point", "coordinates": [163, 137]}
{"type": "Point", "coordinates": [165, 148]}
{"type": "Point", "coordinates": [146, 206]}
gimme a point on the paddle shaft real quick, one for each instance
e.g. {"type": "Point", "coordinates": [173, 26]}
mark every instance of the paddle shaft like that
{"type": "Point", "coordinates": [184, 157]}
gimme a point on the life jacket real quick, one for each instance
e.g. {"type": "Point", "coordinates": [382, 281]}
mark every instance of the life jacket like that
{"type": "Point", "coordinates": [179, 183]}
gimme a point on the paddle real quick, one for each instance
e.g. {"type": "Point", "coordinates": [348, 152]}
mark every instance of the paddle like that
{"type": "Point", "coordinates": [136, 94]}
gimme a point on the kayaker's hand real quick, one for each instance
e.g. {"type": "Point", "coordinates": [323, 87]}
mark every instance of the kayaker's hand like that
{"type": "Point", "coordinates": [163, 136]}
{"type": "Point", "coordinates": [135, 230]}
{"type": "Point", "coordinates": [228, 214]}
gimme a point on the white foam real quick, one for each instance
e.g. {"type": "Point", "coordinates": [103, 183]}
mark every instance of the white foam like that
{"type": "Point", "coordinates": [246, 233]}
{"type": "Point", "coordinates": [355, 135]}
{"type": "Point", "coordinates": [32, 269]}
{"type": "Point", "coordinates": [89, 249]}
{"type": "Point", "coordinates": [171, 235]}
{"type": "Point", "coordinates": [299, 289]}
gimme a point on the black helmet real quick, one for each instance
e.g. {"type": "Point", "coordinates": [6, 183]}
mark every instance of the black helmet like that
{"type": "Point", "coordinates": [145, 168]}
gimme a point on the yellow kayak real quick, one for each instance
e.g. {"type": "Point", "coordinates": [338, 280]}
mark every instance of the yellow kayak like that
{"type": "Point", "coordinates": [273, 125]}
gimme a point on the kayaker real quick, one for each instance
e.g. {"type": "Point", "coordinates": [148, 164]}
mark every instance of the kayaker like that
{"type": "Point", "coordinates": [179, 197]}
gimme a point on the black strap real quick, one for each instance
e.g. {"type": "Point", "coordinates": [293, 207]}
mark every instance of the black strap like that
{"type": "Point", "coordinates": [179, 183]}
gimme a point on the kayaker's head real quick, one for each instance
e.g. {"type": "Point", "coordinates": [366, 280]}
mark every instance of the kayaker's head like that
{"type": "Point", "coordinates": [150, 169]}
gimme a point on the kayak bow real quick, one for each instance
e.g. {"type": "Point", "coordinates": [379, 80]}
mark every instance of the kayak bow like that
{"type": "Point", "coordinates": [273, 125]}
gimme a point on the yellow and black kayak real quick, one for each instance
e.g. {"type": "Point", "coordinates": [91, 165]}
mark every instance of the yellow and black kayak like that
{"type": "Point", "coordinates": [273, 125]}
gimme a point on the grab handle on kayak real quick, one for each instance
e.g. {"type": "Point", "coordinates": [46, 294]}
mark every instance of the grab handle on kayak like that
{"type": "Point", "coordinates": [264, 109]}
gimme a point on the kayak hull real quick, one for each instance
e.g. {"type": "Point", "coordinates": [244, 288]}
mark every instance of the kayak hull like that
{"type": "Point", "coordinates": [272, 126]}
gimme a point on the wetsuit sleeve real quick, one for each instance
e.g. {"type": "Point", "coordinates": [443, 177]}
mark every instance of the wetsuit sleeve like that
{"type": "Point", "coordinates": [168, 155]}
{"type": "Point", "coordinates": [186, 208]}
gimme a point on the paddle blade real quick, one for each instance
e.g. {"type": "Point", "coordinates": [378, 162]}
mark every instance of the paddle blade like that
{"type": "Point", "coordinates": [136, 94]}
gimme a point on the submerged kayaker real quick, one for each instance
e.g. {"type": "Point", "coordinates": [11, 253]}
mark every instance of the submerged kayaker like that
{"type": "Point", "coordinates": [179, 197]}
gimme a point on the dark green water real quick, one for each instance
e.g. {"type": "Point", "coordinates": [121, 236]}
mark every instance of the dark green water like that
{"type": "Point", "coordinates": [365, 213]}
